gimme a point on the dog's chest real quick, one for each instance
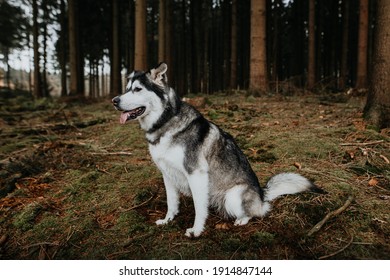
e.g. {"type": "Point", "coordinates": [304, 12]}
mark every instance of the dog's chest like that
{"type": "Point", "coordinates": [167, 155]}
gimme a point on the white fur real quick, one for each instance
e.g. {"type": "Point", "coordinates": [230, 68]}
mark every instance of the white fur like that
{"type": "Point", "coordinates": [233, 201]}
{"type": "Point", "coordinates": [286, 183]}
{"type": "Point", "coordinates": [169, 160]}
{"type": "Point", "coordinates": [199, 185]}
{"type": "Point", "coordinates": [134, 99]}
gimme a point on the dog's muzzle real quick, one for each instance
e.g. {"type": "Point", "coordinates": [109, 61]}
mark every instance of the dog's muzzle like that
{"type": "Point", "coordinates": [115, 101]}
{"type": "Point", "coordinates": [127, 115]}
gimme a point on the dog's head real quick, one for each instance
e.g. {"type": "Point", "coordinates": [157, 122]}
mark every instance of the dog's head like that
{"type": "Point", "coordinates": [144, 96]}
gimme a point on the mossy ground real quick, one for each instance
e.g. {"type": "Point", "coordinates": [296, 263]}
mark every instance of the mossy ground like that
{"type": "Point", "coordinates": [94, 193]}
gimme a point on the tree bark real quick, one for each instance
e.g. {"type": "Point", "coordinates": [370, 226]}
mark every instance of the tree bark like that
{"type": "Point", "coordinates": [140, 59]}
{"type": "Point", "coordinates": [311, 68]}
{"type": "Point", "coordinates": [76, 65]}
{"type": "Point", "coordinates": [196, 63]}
{"type": "Point", "coordinates": [116, 53]}
{"type": "Point", "coordinates": [361, 81]}
{"type": "Point", "coordinates": [233, 55]}
{"type": "Point", "coordinates": [165, 35]}
{"type": "Point", "coordinates": [37, 72]}
{"type": "Point", "coordinates": [258, 58]}
{"type": "Point", "coordinates": [64, 90]}
{"type": "Point", "coordinates": [161, 30]}
{"type": "Point", "coordinates": [45, 86]}
{"type": "Point", "coordinates": [377, 109]}
{"type": "Point", "coordinates": [344, 47]}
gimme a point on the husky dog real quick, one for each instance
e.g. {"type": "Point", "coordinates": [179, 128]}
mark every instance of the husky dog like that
{"type": "Point", "coordinates": [196, 157]}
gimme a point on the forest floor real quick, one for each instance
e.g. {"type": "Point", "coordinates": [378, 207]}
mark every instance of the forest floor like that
{"type": "Point", "coordinates": [75, 184]}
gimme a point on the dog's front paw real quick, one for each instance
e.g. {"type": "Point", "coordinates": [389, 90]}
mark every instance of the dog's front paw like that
{"type": "Point", "coordinates": [162, 222]}
{"type": "Point", "coordinates": [192, 232]}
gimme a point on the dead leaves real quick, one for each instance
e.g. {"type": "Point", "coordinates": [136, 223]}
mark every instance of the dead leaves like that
{"type": "Point", "coordinates": [31, 191]}
{"type": "Point", "coordinates": [298, 165]}
{"type": "Point", "coordinates": [222, 226]}
{"type": "Point", "coordinates": [373, 182]}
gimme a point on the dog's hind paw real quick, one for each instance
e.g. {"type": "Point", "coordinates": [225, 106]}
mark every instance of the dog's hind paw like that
{"type": "Point", "coordinates": [192, 232]}
{"type": "Point", "coordinates": [242, 221]}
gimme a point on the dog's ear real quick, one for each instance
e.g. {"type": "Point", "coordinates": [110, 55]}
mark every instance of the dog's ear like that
{"type": "Point", "coordinates": [159, 75]}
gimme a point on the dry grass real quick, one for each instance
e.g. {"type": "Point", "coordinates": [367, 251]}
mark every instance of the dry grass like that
{"type": "Point", "coordinates": [93, 193]}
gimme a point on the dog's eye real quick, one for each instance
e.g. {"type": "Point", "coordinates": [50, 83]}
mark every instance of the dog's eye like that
{"type": "Point", "coordinates": [137, 89]}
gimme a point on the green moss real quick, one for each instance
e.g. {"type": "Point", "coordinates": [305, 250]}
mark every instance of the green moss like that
{"type": "Point", "coordinates": [25, 219]}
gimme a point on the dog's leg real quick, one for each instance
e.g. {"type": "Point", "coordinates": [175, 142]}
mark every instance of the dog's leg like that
{"type": "Point", "coordinates": [199, 185]}
{"type": "Point", "coordinates": [234, 205]}
{"type": "Point", "coordinates": [172, 201]}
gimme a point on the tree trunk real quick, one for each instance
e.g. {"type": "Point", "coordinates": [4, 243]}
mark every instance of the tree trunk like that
{"type": "Point", "coordinates": [164, 36]}
{"type": "Point", "coordinates": [204, 62]}
{"type": "Point", "coordinates": [8, 72]}
{"type": "Point", "coordinates": [311, 68]}
{"type": "Point", "coordinates": [258, 57]}
{"type": "Point", "coordinates": [233, 55]}
{"type": "Point", "coordinates": [45, 87]}
{"type": "Point", "coordinates": [361, 81]}
{"type": "Point", "coordinates": [161, 31]}
{"type": "Point", "coordinates": [344, 47]}
{"type": "Point", "coordinates": [64, 90]}
{"type": "Point", "coordinates": [116, 53]}
{"type": "Point", "coordinates": [377, 109]}
{"type": "Point", "coordinates": [37, 75]}
{"type": "Point", "coordinates": [76, 65]}
{"type": "Point", "coordinates": [140, 59]}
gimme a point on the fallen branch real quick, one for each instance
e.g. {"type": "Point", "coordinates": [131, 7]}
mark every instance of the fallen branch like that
{"type": "Point", "coordinates": [112, 153]}
{"type": "Point", "coordinates": [332, 214]}
{"type": "Point", "coordinates": [362, 144]}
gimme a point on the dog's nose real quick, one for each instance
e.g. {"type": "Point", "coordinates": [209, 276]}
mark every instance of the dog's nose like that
{"type": "Point", "coordinates": [116, 101]}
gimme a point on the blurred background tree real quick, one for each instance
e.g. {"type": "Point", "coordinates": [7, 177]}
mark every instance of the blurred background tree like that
{"type": "Point", "coordinates": [87, 48]}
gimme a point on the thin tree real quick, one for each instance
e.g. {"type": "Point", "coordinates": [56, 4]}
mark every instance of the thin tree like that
{"type": "Point", "coordinates": [62, 55]}
{"type": "Point", "coordinates": [233, 48]}
{"type": "Point", "coordinates": [377, 109]}
{"type": "Point", "coordinates": [116, 55]}
{"type": "Point", "coordinates": [258, 58]}
{"type": "Point", "coordinates": [140, 52]}
{"type": "Point", "coordinates": [37, 72]}
{"type": "Point", "coordinates": [344, 46]}
{"type": "Point", "coordinates": [161, 30]}
{"type": "Point", "coordinates": [311, 68]}
{"type": "Point", "coordinates": [361, 81]}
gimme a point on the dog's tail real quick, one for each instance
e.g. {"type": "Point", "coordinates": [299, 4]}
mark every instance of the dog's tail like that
{"type": "Point", "coordinates": [288, 183]}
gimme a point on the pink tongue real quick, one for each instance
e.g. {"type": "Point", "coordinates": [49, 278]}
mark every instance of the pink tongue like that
{"type": "Point", "coordinates": [123, 118]}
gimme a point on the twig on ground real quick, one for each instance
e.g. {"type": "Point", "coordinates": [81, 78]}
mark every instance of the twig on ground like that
{"type": "Point", "coordinates": [362, 144]}
{"type": "Point", "coordinates": [112, 153]}
{"type": "Point", "coordinates": [102, 170]}
{"type": "Point", "coordinates": [384, 158]}
{"type": "Point", "coordinates": [56, 243]}
{"type": "Point", "coordinates": [338, 251]}
{"type": "Point", "coordinates": [332, 214]}
{"type": "Point", "coordinates": [138, 205]}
